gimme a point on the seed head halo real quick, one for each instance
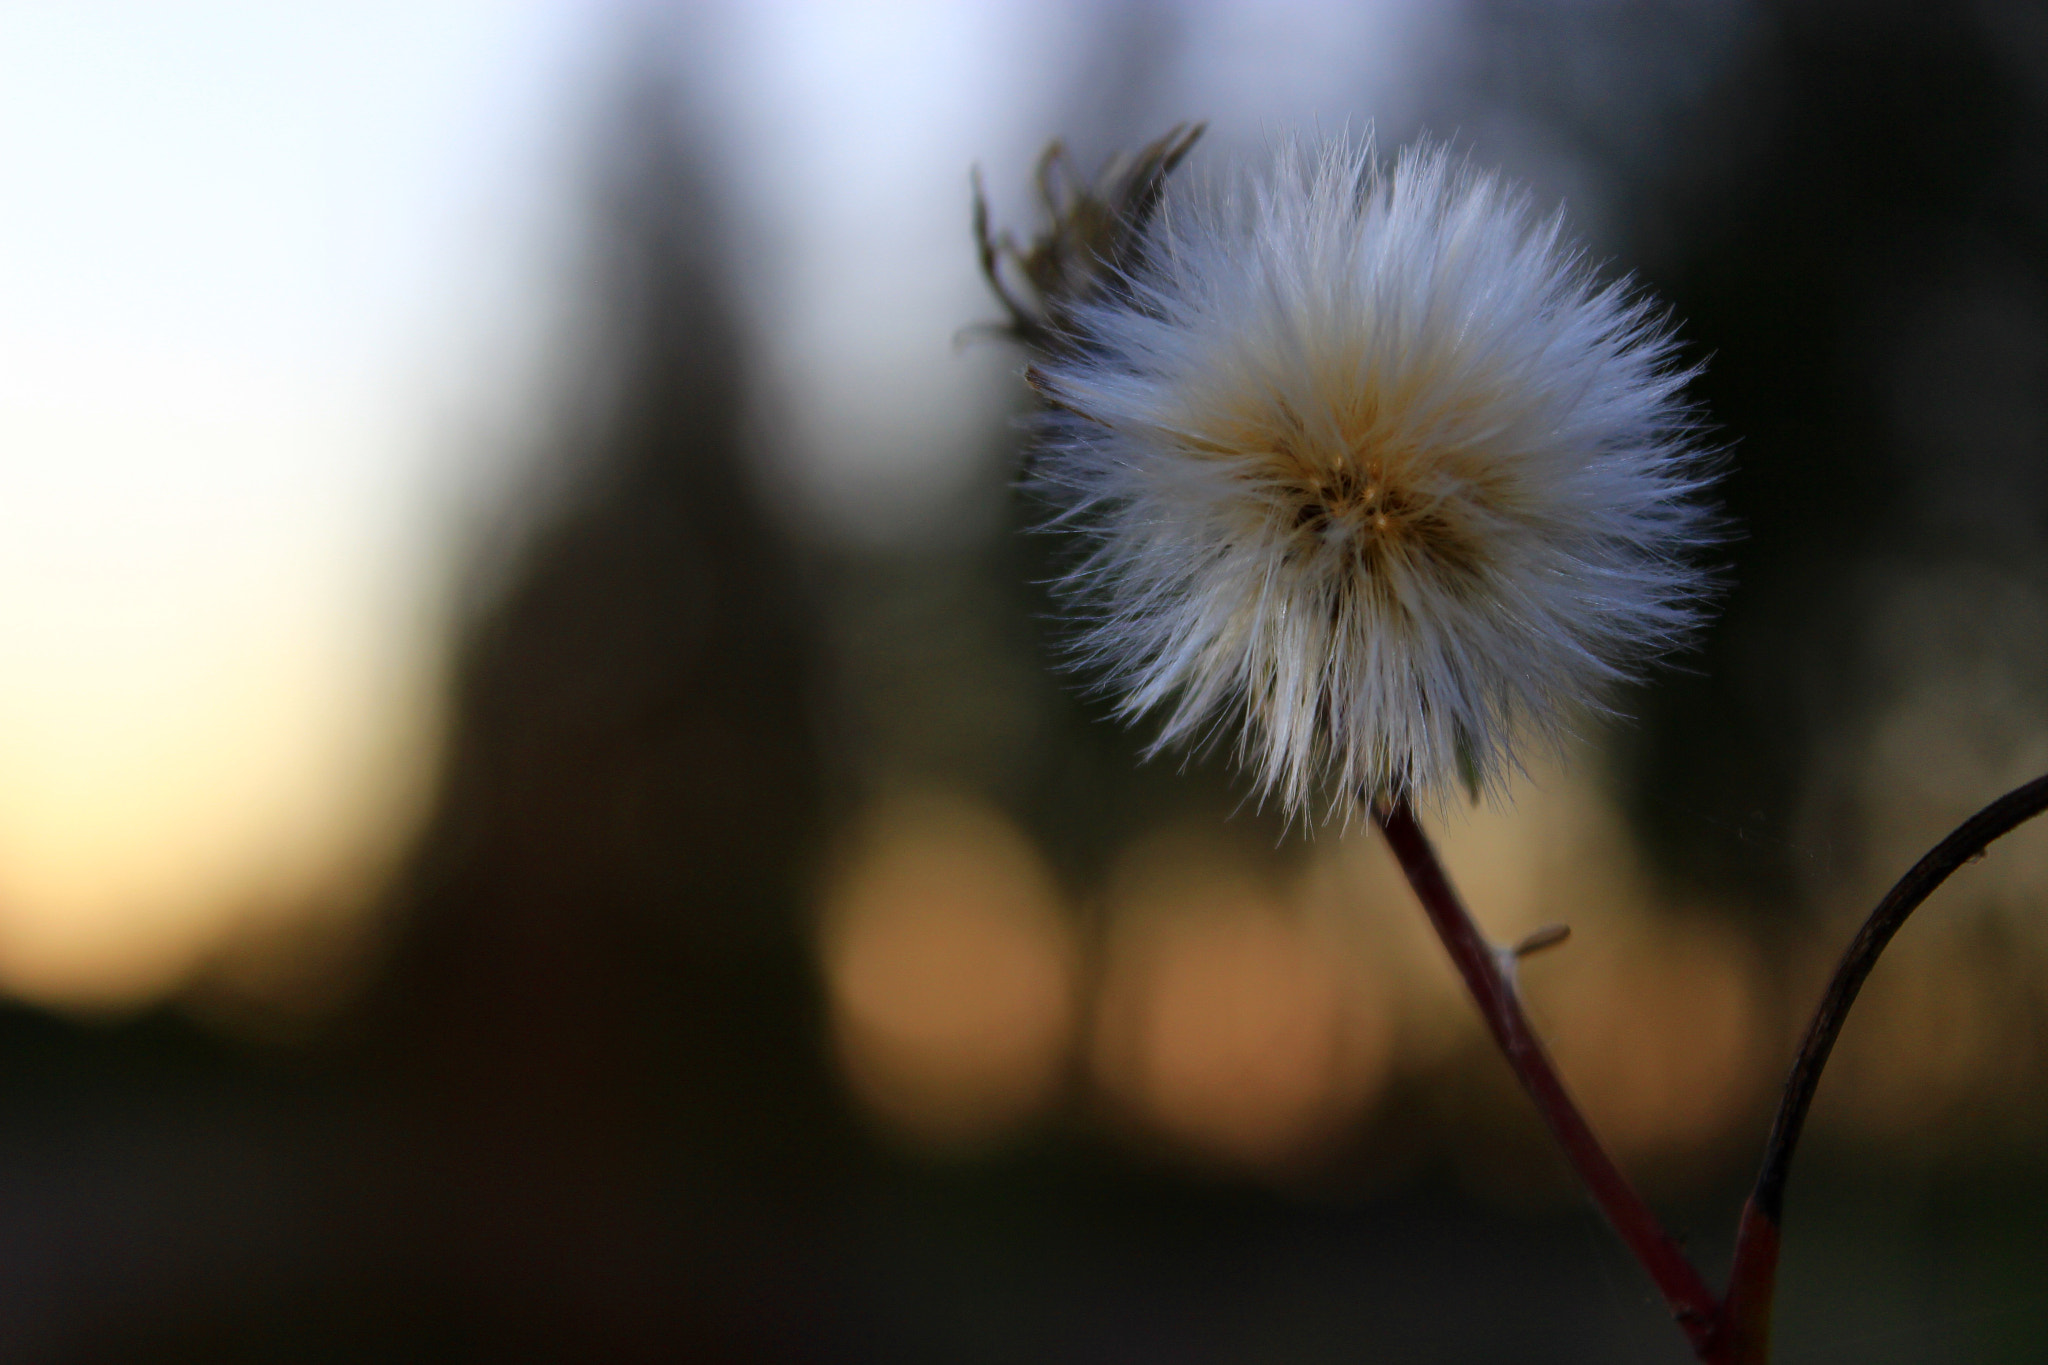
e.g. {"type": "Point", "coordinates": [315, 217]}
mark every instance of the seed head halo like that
{"type": "Point", "coordinates": [1368, 467]}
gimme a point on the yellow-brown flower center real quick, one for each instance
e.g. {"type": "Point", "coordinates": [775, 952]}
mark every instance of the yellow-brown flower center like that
{"type": "Point", "coordinates": [1363, 503]}
{"type": "Point", "coordinates": [1362, 499]}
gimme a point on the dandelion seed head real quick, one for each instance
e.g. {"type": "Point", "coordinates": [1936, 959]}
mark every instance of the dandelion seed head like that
{"type": "Point", "coordinates": [1371, 470]}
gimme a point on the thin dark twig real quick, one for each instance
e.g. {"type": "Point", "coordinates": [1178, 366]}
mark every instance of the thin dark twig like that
{"type": "Point", "coordinates": [1744, 1334]}
{"type": "Point", "coordinates": [1970, 838]}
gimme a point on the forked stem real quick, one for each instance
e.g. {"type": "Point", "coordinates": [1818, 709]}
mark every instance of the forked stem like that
{"type": "Point", "coordinates": [1488, 978]}
{"type": "Point", "coordinates": [1737, 1332]}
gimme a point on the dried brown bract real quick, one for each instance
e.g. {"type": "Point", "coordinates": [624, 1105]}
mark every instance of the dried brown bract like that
{"type": "Point", "coordinates": [1094, 234]}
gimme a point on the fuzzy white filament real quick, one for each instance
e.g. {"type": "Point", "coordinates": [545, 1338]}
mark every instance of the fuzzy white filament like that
{"type": "Point", "coordinates": [1372, 470]}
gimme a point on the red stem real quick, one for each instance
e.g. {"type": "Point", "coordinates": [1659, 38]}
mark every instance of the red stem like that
{"type": "Point", "coordinates": [1692, 1304]}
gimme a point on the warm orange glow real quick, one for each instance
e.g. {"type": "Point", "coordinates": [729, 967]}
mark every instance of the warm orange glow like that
{"type": "Point", "coordinates": [1657, 1017]}
{"type": "Point", "coordinates": [950, 970]}
{"type": "Point", "coordinates": [181, 754]}
{"type": "Point", "coordinates": [1944, 1041]}
{"type": "Point", "coordinates": [1655, 1020]}
{"type": "Point", "coordinates": [1227, 1021]}
{"type": "Point", "coordinates": [1657, 1029]}
{"type": "Point", "coordinates": [1354, 895]}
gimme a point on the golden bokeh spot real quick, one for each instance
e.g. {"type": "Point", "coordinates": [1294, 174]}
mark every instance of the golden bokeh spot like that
{"type": "Point", "coordinates": [1657, 1026]}
{"type": "Point", "coordinates": [1658, 1018]}
{"type": "Point", "coordinates": [1944, 1048]}
{"type": "Point", "coordinates": [950, 971]}
{"type": "Point", "coordinates": [1227, 1022]}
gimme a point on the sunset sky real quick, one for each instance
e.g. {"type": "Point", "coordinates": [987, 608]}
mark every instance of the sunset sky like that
{"type": "Point", "coordinates": [275, 287]}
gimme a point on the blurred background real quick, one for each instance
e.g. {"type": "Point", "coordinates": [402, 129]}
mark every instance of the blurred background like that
{"type": "Point", "coordinates": [538, 821]}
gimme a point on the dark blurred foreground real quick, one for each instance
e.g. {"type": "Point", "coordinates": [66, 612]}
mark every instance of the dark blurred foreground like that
{"type": "Point", "coordinates": [587, 1109]}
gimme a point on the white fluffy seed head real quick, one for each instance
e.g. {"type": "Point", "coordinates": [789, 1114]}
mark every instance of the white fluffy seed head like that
{"type": "Point", "coordinates": [1371, 470]}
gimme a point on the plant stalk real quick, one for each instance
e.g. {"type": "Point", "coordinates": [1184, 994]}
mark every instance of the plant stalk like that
{"type": "Point", "coordinates": [1756, 1243]}
{"type": "Point", "coordinates": [1488, 974]}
